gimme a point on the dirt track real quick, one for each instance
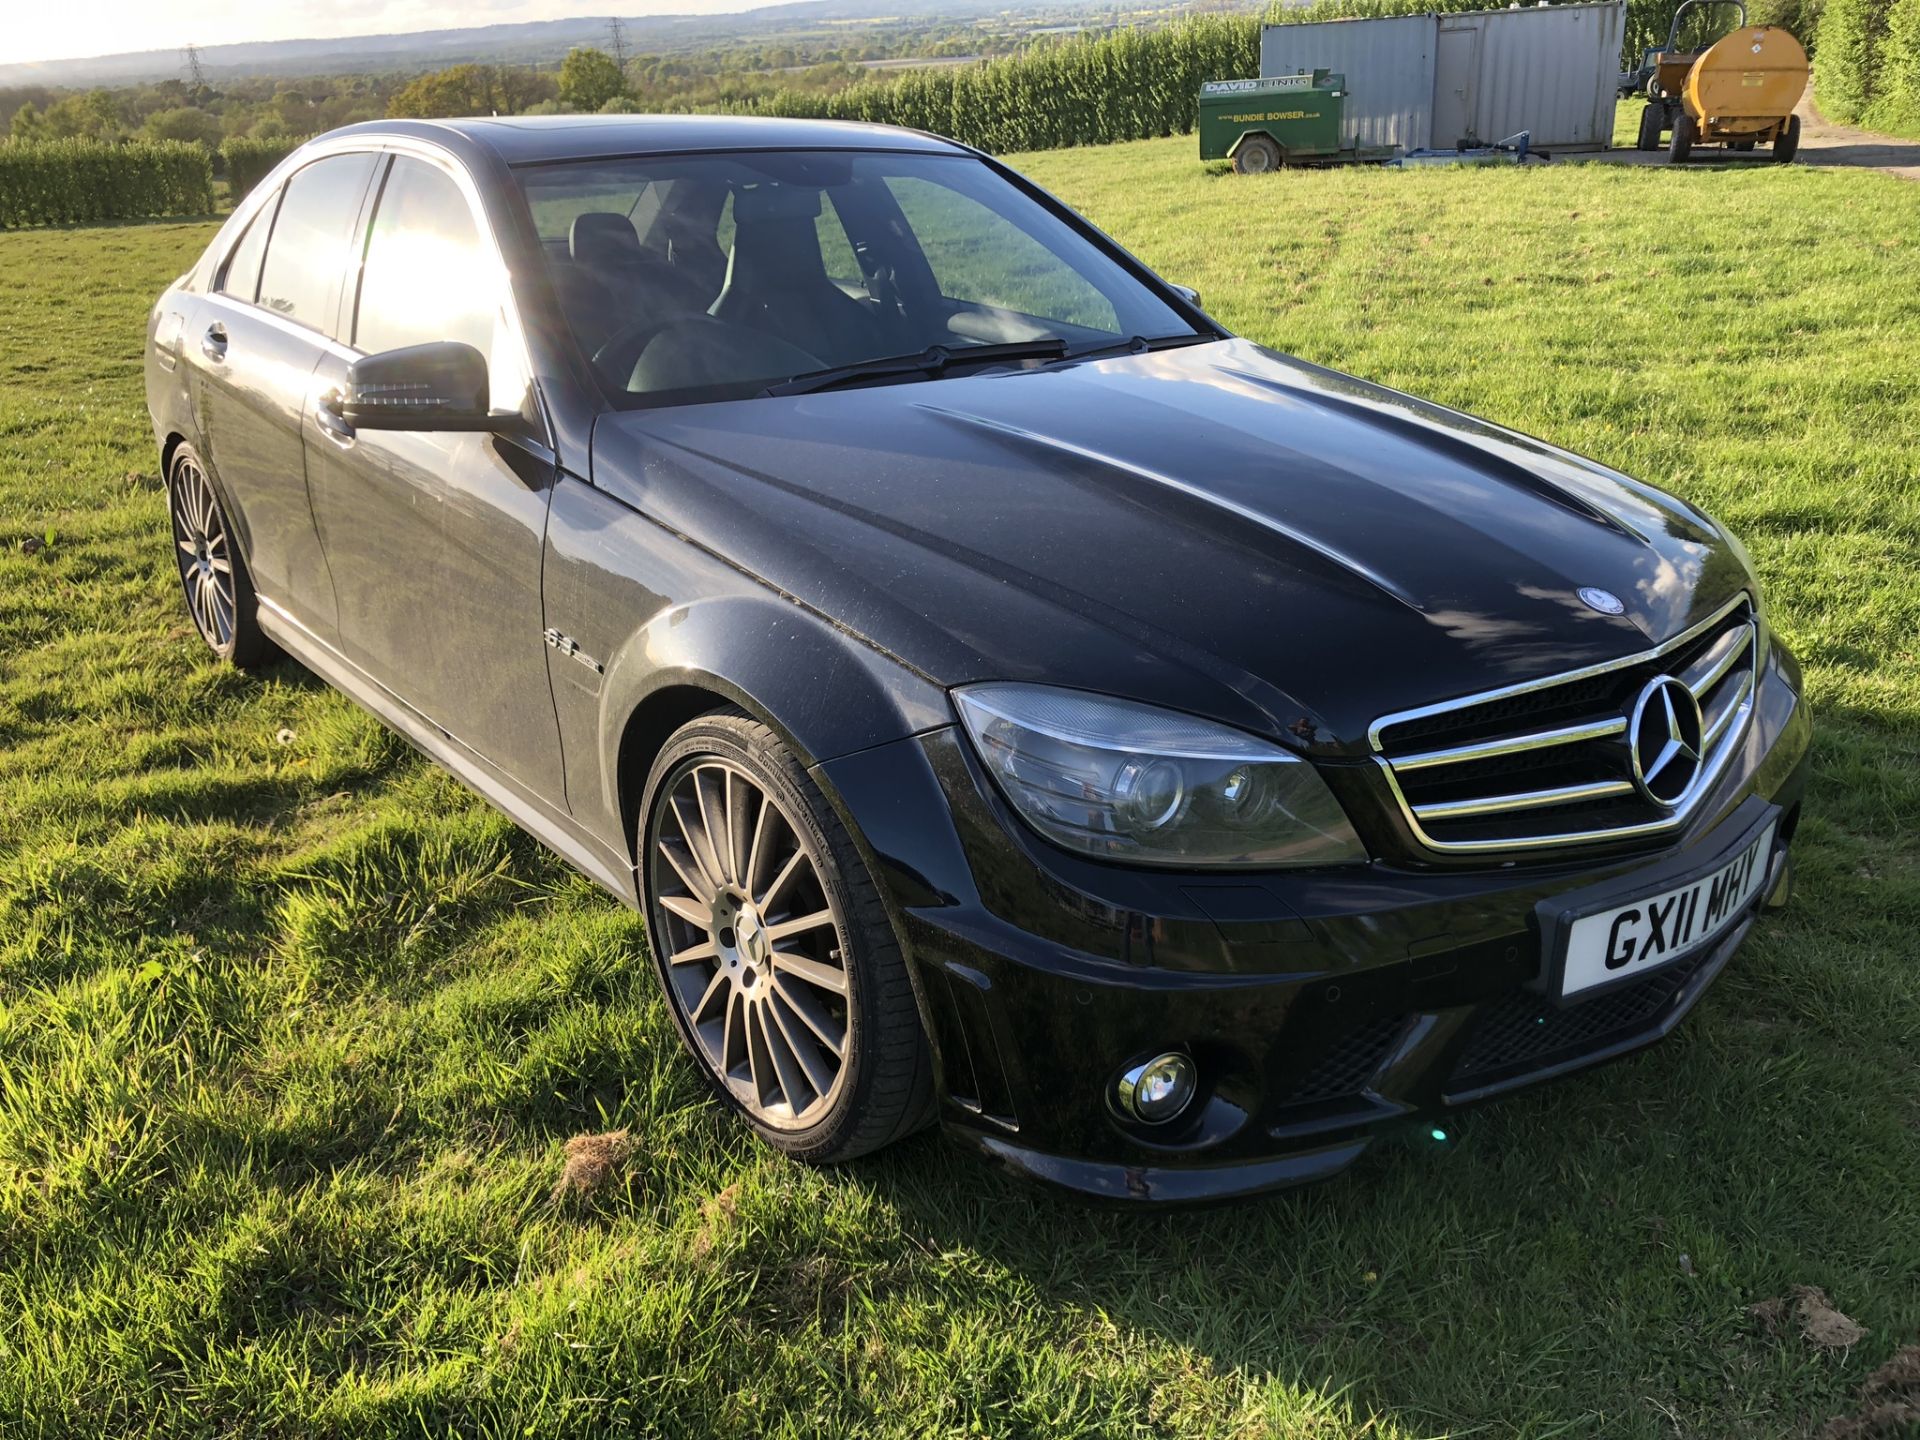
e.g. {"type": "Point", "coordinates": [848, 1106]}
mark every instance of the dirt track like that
{"type": "Point", "coordinates": [1821, 143]}
{"type": "Point", "coordinates": [1824, 143]}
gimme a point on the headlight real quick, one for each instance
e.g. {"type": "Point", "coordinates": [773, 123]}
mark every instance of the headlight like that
{"type": "Point", "coordinates": [1151, 787]}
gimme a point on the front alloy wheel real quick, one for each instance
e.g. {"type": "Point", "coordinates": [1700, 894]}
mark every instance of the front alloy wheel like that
{"type": "Point", "coordinates": [754, 954]}
{"type": "Point", "coordinates": [783, 973]}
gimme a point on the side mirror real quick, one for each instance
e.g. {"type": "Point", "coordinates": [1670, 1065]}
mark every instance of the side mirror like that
{"type": "Point", "coordinates": [441, 386]}
{"type": "Point", "coordinates": [1187, 293]}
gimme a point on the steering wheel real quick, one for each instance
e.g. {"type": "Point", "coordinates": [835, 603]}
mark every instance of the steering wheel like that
{"type": "Point", "coordinates": [614, 360]}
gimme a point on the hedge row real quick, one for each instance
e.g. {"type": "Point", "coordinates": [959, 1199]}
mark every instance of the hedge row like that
{"type": "Point", "coordinates": [1868, 65]}
{"type": "Point", "coordinates": [66, 182]}
{"type": "Point", "coordinates": [247, 161]}
{"type": "Point", "coordinates": [1124, 85]}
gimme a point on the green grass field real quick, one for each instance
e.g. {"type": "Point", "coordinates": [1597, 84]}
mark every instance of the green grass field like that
{"type": "Point", "coordinates": [293, 1031]}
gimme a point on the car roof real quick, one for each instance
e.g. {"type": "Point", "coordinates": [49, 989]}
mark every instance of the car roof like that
{"type": "Point", "coordinates": [533, 139]}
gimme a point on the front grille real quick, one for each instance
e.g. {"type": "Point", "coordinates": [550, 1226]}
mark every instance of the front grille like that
{"type": "Point", "coordinates": [1350, 1062]}
{"type": "Point", "coordinates": [1525, 1031]}
{"type": "Point", "coordinates": [1550, 762]}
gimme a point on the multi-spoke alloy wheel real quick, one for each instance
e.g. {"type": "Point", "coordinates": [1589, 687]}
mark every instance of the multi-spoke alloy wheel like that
{"type": "Point", "coordinates": [754, 953]}
{"type": "Point", "coordinates": [206, 558]}
{"type": "Point", "coordinates": [218, 589]}
{"type": "Point", "coordinates": [774, 946]}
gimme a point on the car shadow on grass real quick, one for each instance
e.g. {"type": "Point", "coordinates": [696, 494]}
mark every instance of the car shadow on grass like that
{"type": "Point", "coordinates": [1642, 1207]}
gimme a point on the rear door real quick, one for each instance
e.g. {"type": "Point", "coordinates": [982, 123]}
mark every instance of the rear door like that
{"type": "Point", "coordinates": [252, 346]}
{"type": "Point", "coordinates": [434, 540]}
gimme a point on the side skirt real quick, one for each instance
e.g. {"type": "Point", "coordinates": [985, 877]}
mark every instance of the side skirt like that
{"type": "Point", "coordinates": [551, 828]}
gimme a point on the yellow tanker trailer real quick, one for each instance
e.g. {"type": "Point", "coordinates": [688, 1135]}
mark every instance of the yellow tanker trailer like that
{"type": "Point", "coordinates": [1738, 92]}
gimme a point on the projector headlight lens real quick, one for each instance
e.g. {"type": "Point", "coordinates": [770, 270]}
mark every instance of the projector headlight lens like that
{"type": "Point", "coordinates": [1130, 782]}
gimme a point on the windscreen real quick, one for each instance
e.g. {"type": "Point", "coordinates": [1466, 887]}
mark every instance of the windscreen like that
{"type": "Point", "coordinates": [708, 277]}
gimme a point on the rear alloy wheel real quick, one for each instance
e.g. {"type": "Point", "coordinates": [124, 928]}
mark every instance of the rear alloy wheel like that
{"type": "Point", "coordinates": [1257, 155]}
{"type": "Point", "coordinates": [213, 575]}
{"type": "Point", "coordinates": [1788, 145]}
{"type": "Point", "coordinates": [779, 963]}
{"type": "Point", "coordinates": [1681, 145]}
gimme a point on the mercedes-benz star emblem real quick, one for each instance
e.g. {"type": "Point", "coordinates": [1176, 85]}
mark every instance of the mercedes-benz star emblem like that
{"type": "Point", "coordinates": [1605, 601]}
{"type": "Point", "coordinates": [1664, 735]}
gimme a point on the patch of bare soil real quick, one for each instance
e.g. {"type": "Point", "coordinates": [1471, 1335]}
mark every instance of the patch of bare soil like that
{"type": "Point", "coordinates": [594, 1162]}
{"type": "Point", "coordinates": [1810, 1309]}
{"type": "Point", "coordinates": [1888, 1406]}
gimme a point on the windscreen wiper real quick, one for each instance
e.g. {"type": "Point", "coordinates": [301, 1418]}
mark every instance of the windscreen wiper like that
{"type": "Point", "coordinates": [933, 360]}
{"type": "Point", "coordinates": [1136, 345]}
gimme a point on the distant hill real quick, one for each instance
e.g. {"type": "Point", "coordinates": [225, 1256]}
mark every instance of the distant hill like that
{"type": "Point", "coordinates": [530, 42]}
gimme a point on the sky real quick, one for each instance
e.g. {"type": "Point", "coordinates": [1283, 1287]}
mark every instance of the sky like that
{"type": "Point", "coordinates": [36, 30]}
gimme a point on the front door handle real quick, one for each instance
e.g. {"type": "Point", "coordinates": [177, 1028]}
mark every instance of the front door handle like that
{"type": "Point", "coordinates": [326, 414]}
{"type": "Point", "coordinates": [213, 344]}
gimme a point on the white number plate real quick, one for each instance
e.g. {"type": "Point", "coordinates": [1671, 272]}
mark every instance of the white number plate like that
{"type": "Point", "coordinates": [1646, 934]}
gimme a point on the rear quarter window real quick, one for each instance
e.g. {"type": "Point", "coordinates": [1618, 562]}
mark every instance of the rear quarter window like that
{"type": "Point", "coordinates": [240, 276]}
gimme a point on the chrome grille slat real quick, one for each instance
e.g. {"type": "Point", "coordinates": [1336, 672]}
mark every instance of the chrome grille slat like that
{"type": "Point", "coordinates": [1728, 709]}
{"type": "Point", "coordinates": [1568, 781]}
{"type": "Point", "coordinates": [1525, 800]}
{"type": "Point", "coordinates": [1511, 745]}
{"type": "Point", "coordinates": [1706, 672]}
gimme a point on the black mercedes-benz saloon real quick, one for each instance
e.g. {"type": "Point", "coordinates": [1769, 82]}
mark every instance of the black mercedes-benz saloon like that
{"type": "Point", "coordinates": [1012, 700]}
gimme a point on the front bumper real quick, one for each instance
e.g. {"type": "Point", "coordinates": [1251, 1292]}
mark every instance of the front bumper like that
{"type": "Point", "coordinates": [1322, 1008]}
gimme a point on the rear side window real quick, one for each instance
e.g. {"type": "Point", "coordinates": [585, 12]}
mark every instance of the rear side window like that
{"type": "Point", "coordinates": [427, 276]}
{"type": "Point", "coordinates": [241, 278]}
{"type": "Point", "coordinates": [312, 236]}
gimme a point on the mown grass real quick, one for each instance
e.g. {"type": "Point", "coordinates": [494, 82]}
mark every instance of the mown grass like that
{"type": "Point", "coordinates": [293, 1031]}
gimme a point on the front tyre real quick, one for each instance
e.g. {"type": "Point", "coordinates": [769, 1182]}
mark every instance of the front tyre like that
{"type": "Point", "coordinates": [213, 573]}
{"type": "Point", "coordinates": [778, 961]}
{"type": "Point", "coordinates": [1684, 131]}
{"type": "Point", "coordinates": [1653, 119]}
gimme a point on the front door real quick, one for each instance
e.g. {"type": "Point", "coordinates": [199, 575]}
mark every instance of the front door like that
{"type": "Point", "coordinates": [252, 348]}
{"type": "Point", "coordinates": [435, 540]}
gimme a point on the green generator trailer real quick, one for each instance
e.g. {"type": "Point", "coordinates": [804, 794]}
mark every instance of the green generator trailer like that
{"type": "Point", "coordinates": [1261, 125]}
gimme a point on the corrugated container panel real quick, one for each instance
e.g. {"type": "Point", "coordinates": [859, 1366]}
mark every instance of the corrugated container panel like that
{"type": "Point", "coordinates": [1548, 70]}
{"type": "Point", "coordinates": [1389, 68]}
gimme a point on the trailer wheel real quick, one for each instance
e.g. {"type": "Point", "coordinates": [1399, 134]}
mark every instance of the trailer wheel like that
{"type": "Point", "coordinates": [1256, 155]}
{"type": "Point", "coordinates": [1652, 121]}
{"type": "Point", "coordinates": [1788, 145]}
{"type": "Point", "coordinates": [1681, 146]}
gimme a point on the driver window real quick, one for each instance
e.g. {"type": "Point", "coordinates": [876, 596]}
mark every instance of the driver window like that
{"type": "Point", "coordinates": [429, 276]}
{"type": "Point", "coordinates": [979, 257]}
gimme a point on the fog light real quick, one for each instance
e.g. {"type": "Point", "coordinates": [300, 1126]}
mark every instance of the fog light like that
{"type": "Point", "coordinates": [1158, 1090]}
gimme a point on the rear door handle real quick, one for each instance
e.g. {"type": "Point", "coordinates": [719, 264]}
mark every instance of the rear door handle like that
{"type": "Point", "coordinates": [213, 344]}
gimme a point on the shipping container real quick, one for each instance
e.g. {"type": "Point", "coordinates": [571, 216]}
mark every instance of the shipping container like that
{"type": "Point", "coordinates": [1420, 81]}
